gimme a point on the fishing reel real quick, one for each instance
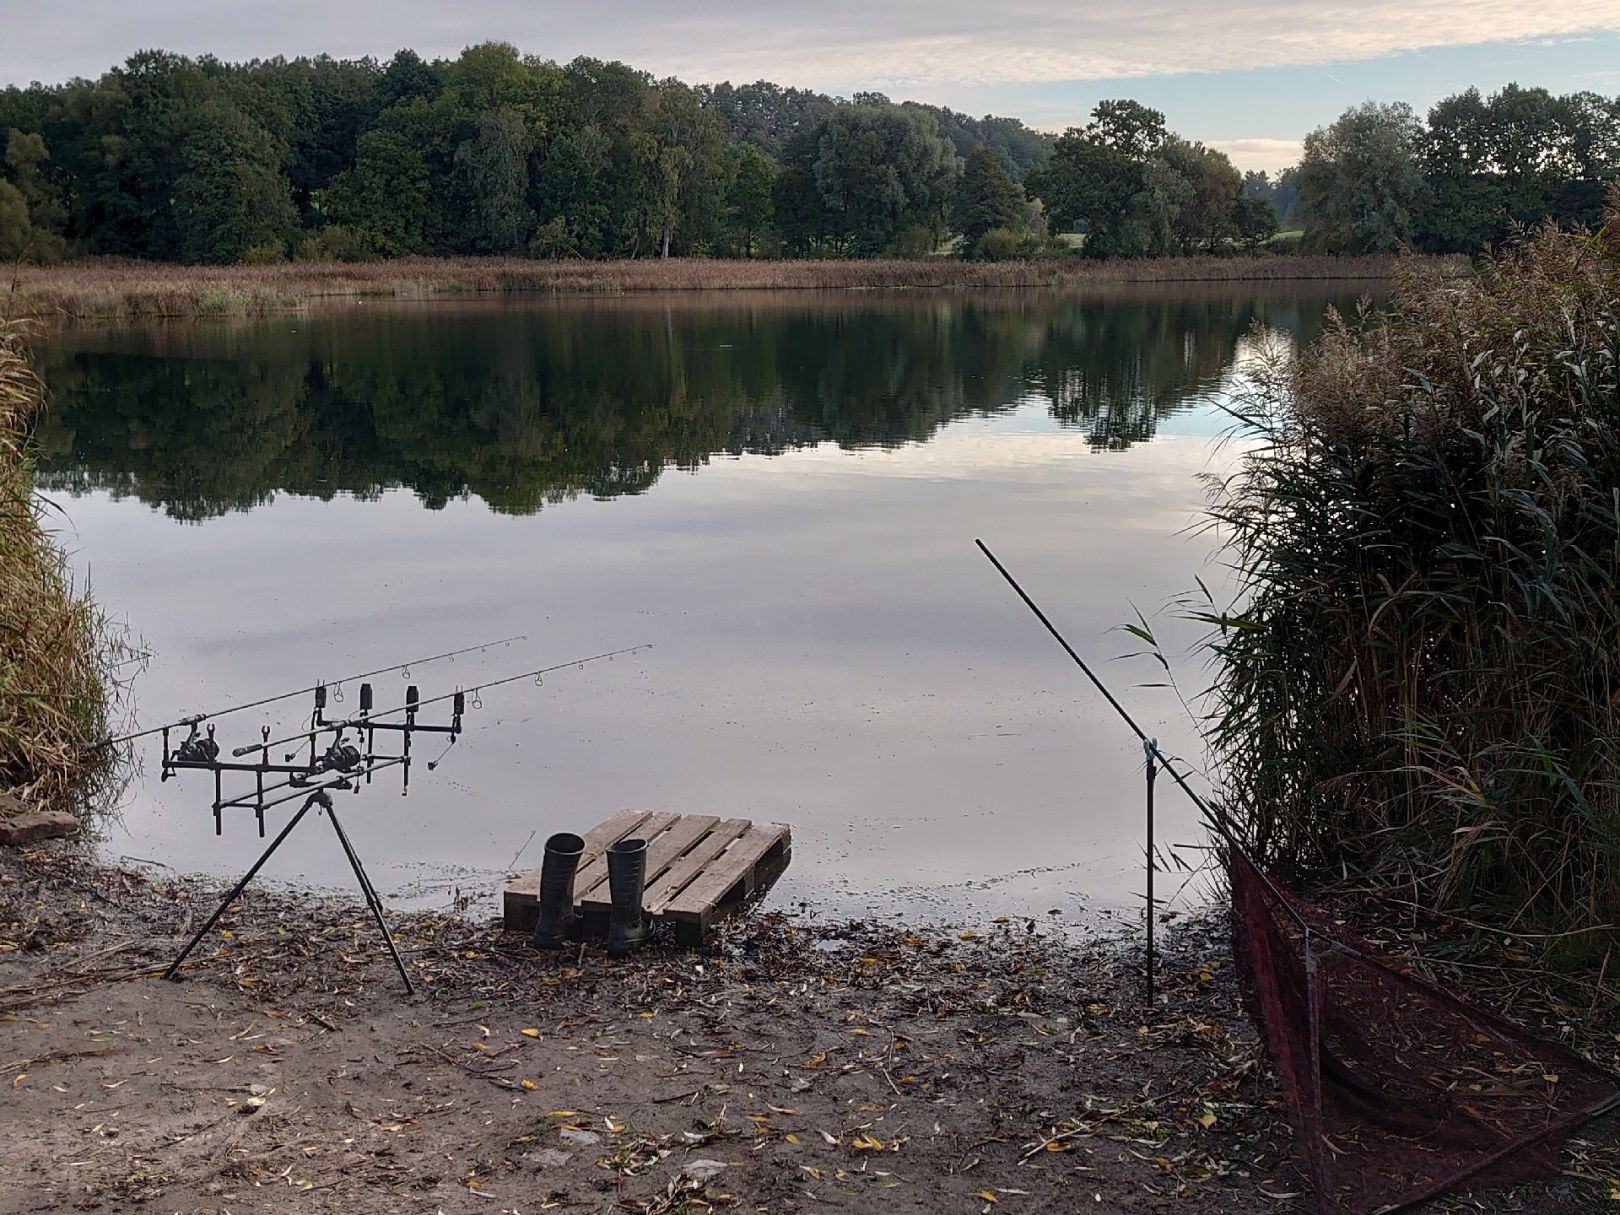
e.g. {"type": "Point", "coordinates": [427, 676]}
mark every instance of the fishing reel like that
{"type": "Point", "coordinates": [196, 749]}
{"type": "Point", "coordinates": [339, 757]}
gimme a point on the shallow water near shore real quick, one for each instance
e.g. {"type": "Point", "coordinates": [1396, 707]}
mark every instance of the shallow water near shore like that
{"type": "Point", "coordinates": [778, 492]}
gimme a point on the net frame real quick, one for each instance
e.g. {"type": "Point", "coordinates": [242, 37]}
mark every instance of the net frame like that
{"type": "Point", "coordinates": [1398, 1089]}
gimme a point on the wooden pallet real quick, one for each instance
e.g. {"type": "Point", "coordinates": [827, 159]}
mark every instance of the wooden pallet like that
{"type": "Point", "coordinates": [699, 867]}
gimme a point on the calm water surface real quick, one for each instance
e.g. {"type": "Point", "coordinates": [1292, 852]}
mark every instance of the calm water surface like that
{"type": "Point", "coordinates": [779, 492]}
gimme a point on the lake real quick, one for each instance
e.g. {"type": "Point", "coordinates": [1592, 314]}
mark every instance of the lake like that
{"type": "Point", "coordinates": [778, 492]}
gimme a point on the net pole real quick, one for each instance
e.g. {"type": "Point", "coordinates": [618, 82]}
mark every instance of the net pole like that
{"type": "Point", "coordinates": [1150, 752]}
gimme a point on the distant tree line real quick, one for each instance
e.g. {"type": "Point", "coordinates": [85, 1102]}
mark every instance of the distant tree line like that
{"type": "Point", "coordinates": [197, 160]}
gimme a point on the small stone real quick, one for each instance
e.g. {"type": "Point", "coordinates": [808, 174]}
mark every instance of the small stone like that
{"type": "Point", "coordinates": [704, 1170]}
{"type": "Point", "coordinates": [35, 826]}
{"type": "Point", "coordinates": [580, 1138]}
{"type": "Point", "coordinates": [551, 1158]}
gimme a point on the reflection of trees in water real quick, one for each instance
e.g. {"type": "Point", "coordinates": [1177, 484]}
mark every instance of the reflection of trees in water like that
{"type": "Point", "coordinates": [525, 408]}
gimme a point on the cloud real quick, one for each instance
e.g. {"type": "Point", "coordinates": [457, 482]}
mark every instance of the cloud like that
{"type": "Point", "coordinates": [1270, 155]}
{"type": "Point", "coordinates": [840, 45]}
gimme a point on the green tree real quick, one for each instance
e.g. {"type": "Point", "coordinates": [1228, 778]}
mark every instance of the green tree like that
{"type": "Point", "coordinates": [986, 197]}
{"type": "Point", "coordinates": [1254, 219]}
{"type": "Point", "coordinates": [232, 196]}
{"type": "Point", "coordinates": [688, 182]}
{"type": "Point", "coordinates": [496, 162]}
{"type": "Point", "coordinates": [802, 215]}
{"type": "Point", "coordinates": [16, 233]}
{"type": "Point", "coordinates": [46, 216]}
{"type": "Point", "coordinates": [880, 169]}
{"type": "Point", "coordinates": [387, 197]}
{"type": "Point", "coordinates": [1096, 175]}
{"type": "Point", "coordinates": [1360, 186]}
{"type": "Point", "coordinates": [1212, 186]}
{"type": "Point", "coordinates": [1464, 208]}
{"type": "Point", "coordinates": [749, 203]}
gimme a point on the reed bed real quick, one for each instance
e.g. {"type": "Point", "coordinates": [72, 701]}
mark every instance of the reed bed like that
{"type": "Point", "coordinates": [115, 290]}
{"type": "Point", "coordinates": [1418, 689]}
{"type": "Point", "coordinates": [58, 658]}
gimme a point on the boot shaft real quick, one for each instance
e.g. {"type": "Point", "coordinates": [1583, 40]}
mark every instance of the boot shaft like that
{"type": "Point", "coordinates": [555, 921]}
{"type": "Point", "coordinates": [563, 852]}
{"type": "Point", "coordinates": [627, 872]}
{"type": "Point", "coordinates": [627, 875]}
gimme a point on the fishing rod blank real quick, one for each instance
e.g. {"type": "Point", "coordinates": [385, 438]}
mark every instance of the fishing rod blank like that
{"type": "Point", "coordinates": [198, 718]}
{"type": "Point", "coordinates": [1217, 820]}
{"type": "Point", "coordinates": [411, 706]}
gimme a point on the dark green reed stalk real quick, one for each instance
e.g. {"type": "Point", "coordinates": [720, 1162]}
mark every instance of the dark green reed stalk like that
{"type": "Point", "coordinates": [58, 658]}
{"type": "Point", "coordinates": [1419, 685]}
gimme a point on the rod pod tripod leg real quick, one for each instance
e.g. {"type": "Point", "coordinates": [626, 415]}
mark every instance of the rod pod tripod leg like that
{"type": "Point", "coordinates": [324, 801]}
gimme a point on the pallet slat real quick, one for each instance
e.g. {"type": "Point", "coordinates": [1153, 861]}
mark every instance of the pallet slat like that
{"type": "Point", "coordinates": [592, 873]}
{"type": "Point", "coordinates": [678, 875]}
{"type": "Point", "coordinates": [699, 900]}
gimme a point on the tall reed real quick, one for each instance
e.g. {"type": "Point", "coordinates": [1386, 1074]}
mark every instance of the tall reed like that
{"type": "Point", "coordinates": [58, 658]}
{"type": "Point", "coordinates": [1419, 684]}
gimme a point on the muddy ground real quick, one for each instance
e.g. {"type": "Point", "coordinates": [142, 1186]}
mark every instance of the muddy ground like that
{"type": "Point", "coordinates": [794, 1066]}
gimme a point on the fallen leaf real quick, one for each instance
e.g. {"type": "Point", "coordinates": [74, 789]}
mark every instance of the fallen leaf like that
{"type": "Point", "coordinates": [529, 1033]}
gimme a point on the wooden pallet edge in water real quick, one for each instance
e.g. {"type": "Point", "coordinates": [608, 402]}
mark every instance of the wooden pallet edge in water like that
{"type": "Point", "coordinates": [699, 867]}
{"type": "Point", "coordinates": [752, 860]}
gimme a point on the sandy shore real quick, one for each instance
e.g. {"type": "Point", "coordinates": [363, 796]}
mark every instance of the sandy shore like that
{"type": "Point", "coordinates": [794, 1066]}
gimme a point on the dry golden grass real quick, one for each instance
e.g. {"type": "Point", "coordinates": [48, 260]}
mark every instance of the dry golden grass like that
{"type": "Point", "coordinates": [1420, 687]}
{"type": "Point", "coordinates": [118, 290]}
{"type": "Point", "coordinates": [56, 664]}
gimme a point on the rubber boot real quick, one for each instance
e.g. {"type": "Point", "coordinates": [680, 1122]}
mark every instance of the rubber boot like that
{"type": "Point", "coordinates": [556, 921]}
{"type": "Point", "coordinates": [627, 874]}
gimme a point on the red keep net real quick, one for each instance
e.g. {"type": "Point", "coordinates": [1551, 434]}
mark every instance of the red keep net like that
{"type": "Point", "coordinates": [1398, 1089]}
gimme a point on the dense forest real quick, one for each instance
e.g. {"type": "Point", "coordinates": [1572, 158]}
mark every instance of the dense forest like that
{"type": "Point", "coordinates": [196, 160]}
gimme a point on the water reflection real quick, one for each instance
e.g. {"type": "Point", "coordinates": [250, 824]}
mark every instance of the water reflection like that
{"type": "Point", "coordinates": [525, 405]}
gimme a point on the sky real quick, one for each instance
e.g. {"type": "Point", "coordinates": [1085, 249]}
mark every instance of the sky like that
{"type": "Point", "coordinates": [1251, 77]}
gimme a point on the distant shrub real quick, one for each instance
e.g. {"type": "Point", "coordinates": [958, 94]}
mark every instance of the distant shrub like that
{"type": "Point", "coordinates": [337, 243]}
{"type": "Point", "coordinates": [914, 241]}
{"type": "Point", "coordinates": [267, 254]}
{"type": "Point", "coordinates": [1004, 244]}
{"type": "Point", "coordinates": [553, 239]}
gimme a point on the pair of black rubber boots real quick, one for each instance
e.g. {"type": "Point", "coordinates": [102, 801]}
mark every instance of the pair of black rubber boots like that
{"type": "Point", "coordinates": [627, 874]}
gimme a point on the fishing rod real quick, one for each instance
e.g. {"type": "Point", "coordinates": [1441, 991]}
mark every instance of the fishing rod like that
{"type": "Point", "coordinates": [197, 719]}
{"type": "Point", "coordinates": [369, 720]}
{"type": "Point", "coordinates": [1218, 821]}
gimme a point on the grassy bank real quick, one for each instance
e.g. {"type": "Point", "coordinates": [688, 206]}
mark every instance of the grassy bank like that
{"type": "Point", "coordinates": [55, 664]}
{"type": "Point", "coordinates": [126, 290]}
{"type": "Point", "coordinates": [1421, 686]}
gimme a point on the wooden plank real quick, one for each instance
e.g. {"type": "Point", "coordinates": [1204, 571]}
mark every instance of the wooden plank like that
{"type": "Point", "coordinates": [675, 878]}
{"type": "Point", "coordinates": [676, 843]}
{"type": "Point", "coordinates": [592, 874]}
{"type": "Point", "coordinates": [733, 868]}
{"type": "Point", "coordinates": [663, 851]}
